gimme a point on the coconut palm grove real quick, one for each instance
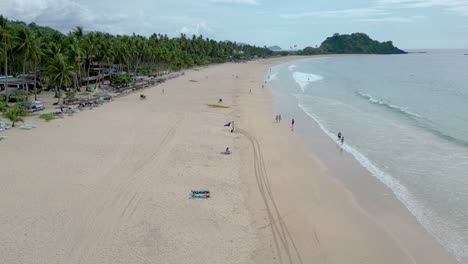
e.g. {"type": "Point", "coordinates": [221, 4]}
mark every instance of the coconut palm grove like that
{"type": "Point", "coordinates": [67, 60]}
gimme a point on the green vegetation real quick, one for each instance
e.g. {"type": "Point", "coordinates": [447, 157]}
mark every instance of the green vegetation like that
{"type": "Point", "coordinates": [121, 80]}
{"type": "Point", "coordinates": [3, 106]}
{"type": "Point", "coordinates": [69, 94]}
{"type": "Point", "coordinates": [47, 117]}
{"type": "Point", "coordinates": [356, 43]}
{"type": "Point", "coordinates": [65, 60]}
{"type": "Point", "coordinates": [33, 27]}
{"type": "Point", "coordinates": [18, 98]}
{"type": "Point", "coordinates": [14, 114]}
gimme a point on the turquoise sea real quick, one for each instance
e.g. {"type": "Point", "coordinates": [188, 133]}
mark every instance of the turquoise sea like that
{"type": "Point", "coordinates": [404, 118]}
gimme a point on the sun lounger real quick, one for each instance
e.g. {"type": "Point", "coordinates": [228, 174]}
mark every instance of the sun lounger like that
{"type": "Point", "coordinates": [194, 196]}
{"type": "Point", "coordinates": [3, 137]}
{"type": "Point", "coordinates": [28, 127]}
{"type": "Point", "coordinates": [201, 191]}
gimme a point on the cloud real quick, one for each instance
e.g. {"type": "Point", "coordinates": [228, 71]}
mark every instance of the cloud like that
{"type": "Point", "coordinates": [394, 19]}
{"type": "Point", "coordinates": [369, 14]}
{"type": "Point", "coordinates": [343, 13]}
{"type": "Point", "coordinates": [201, 28]}
{"type": "Point", "coordinates": [63, 15]}
{"type": "Point", "coordinates": [458, 6]}
{"type": "Point", "coordinates": [383, 11]}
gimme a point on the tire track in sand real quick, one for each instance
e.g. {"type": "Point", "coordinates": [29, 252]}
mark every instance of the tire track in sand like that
{"type": "Point", "coordinates": [120, 203]}
{"type": "Point", "coordinates": [283, 240]}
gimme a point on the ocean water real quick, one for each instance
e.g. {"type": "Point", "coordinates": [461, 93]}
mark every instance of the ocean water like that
{"type": "Point", "coordinates": [405, 119]}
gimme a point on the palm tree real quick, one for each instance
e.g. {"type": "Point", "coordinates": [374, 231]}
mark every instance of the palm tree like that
{"type": "Point", "coordinates": [60, 71]}
{"type": "Point", "coordinates": [35, 55]}
{"type": "Point", "coordinates": [78, 33]}
{"type": "Point", "coordinates": [90, 50]}
{"type": "Point", "coordinates": [24, 49]}
{"type": "Point", "coordinates": [5, 37]}
{"type": "Point", "coordinates": [75, 55]}
{"type": "Point", "coordinates": [14, 115]}
{"type": "Point", "coordinates": [105, 54]}
{"type": "Point", "coordinates": [38, 48]}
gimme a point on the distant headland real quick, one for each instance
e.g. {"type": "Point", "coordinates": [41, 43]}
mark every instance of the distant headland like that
{"type": "Point", "coordinates": [356, 43]}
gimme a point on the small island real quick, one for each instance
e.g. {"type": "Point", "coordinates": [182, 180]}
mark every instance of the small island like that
{"type": "Point", "coordinates": [356, 43]}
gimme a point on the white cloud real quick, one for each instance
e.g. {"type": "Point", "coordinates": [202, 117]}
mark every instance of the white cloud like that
{"type": "Point", "coordinates": [246, 2]}
{"type": "Point", "coordinates": [343, 13]}
{"type": "Point", "coordinates": [392, 19]}
{"type": "Point", "coordinates": [201, 28]}
{"type": "Point", "coordinates": [458, 6]}
{"type": "Point", "coordinates": [63, 15]}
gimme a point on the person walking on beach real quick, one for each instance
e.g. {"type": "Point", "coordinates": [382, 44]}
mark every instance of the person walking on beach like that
{"type": "Point", "coordinates": [292, 124]}
{"type": "Point", "coordinates": [279, 118]}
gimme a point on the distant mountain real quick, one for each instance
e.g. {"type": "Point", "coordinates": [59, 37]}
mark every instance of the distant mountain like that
{"type": "Point", "coordinates": [41, 30]}
{"type": "Point", "coordinates": [356, 43]}
{"type": "Point", "coordinates": [275, 48]}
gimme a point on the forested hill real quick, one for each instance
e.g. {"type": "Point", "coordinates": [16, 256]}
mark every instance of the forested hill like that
{"type": "Point", "coordinates": [33, 27]}
{"type": "Point", "coordinates": [356, 43]}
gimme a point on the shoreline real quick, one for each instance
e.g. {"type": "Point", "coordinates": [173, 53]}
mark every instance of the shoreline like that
{"type": "Point", "coordinates": [371, 195]}
{"type": "Point", "coordinates": [111, 185]}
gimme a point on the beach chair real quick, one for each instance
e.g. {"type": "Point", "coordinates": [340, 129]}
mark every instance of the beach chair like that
{"type": "Point", "coordinates": [201, 191]}
{"type": "Point", "coordinates": [3, 137]}
{"type": "Point", "coordinates": [28, 127]}
{"type": "Point", "coordinates": [194, 196]}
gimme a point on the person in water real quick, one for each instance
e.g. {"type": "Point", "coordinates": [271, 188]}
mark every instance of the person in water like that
{"type": "Point", "coordinates": [342, 140]}
{"type": "Point", "coordinates": [339, 136]}
{"type": "Point", "coordinates": [292, 123]}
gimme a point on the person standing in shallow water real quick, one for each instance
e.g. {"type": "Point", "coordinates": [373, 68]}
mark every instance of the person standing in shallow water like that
{"type": "Point", "coordinates": [339, 136]}
{"type": "Point", "coordinates": [342, 140]}
{"type": "Point", "coordinates": [292, 124]}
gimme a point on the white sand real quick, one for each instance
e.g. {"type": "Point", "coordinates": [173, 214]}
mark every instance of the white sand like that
{"type": "Point", "coordinates": [111, 185]}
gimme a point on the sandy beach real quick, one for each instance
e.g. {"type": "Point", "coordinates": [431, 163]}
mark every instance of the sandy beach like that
{"type": "Point", "coordinates": [112, 184]}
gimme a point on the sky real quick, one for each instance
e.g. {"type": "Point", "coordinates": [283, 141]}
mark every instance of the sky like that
{"type": "Point", "coordinates": [410, 24]}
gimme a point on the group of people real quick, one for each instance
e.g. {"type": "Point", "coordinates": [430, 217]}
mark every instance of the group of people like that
{"type": "Point", "coordinates": [278, 118]}
{"type": "Point", "coordinates": [340, 138]}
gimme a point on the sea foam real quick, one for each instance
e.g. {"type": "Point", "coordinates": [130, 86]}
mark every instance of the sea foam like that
{"type": "Point", "coordinates": [304, 79]}
{"type": "Point", "coordinates": [402, 110]}
{"type": "Point", "coordinates": [438, 228]}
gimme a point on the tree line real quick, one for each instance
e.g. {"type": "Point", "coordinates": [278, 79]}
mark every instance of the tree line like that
{"type": "Point", "coordinates": [62, 60]}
